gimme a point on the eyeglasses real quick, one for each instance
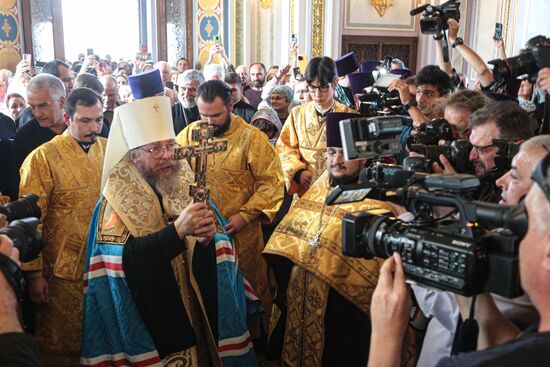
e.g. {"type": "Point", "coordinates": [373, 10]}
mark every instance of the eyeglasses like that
{"type": "Point", "coordinates": [483, 149]}
{"type": "Point", "coordinates": [277, 98]}
{"type": "Point", "coordinates": [158, 152]}
{"type": "Point", "coordinates": [313, 88]}
{"type": "Point", "coordinates": [334, 154]}
{"type": "Point", "coordinates": [540, 175]}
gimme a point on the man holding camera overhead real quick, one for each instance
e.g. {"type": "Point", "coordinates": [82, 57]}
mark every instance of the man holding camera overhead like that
{"type": "Point", "coordinates": [65, 173]}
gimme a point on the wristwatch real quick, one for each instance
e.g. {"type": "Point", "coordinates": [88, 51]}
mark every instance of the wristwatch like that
{"type": "Point", "coordinates": [411, 103]}
{"type": "Point", "coordinates": [457, 42]}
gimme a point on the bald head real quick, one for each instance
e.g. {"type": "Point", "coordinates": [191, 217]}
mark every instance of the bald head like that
{"type": "Point", "coordinates": [165, 71]}
{"type": "Point", "coordinates": [110, 92]}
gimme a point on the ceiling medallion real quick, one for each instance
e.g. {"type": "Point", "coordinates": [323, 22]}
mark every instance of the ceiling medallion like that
{"type": "Point", "coordinates": [382, 6]}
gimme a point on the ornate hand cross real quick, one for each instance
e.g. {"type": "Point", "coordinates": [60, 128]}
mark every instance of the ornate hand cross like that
{"type": "Point", "coordinates": [202, 135]}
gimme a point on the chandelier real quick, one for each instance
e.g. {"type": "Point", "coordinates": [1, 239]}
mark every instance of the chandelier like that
{"type": "Point", "coordinates": [382, 6]}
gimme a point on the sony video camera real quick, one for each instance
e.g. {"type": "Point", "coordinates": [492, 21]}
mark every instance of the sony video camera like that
{"type": "Point", "coordinates": [435, 18]}
{"type": "Point", "coordinates": [535, 57]}
{"type": "Point", "coordinates": [458, 251]}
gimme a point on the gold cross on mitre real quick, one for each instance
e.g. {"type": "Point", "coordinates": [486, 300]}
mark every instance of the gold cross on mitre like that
{"type": "Point", "coordinates": [203, 135]}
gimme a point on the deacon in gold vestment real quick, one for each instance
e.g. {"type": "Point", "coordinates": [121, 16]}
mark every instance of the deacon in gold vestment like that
{"type": "Point", "coordinates": [320, 315]}
{"type": "Point", "coordinates": [65, 173]}
{"type": "Point", "coordinates": [245, 182]}
{"type": "Point", "coordinates": [302, 143]}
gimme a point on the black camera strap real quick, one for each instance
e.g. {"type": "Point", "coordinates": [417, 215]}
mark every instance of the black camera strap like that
{"type": "Point", "coordinates": [13, 275]}
{"type": "Point", "coordinates": [469, 332]}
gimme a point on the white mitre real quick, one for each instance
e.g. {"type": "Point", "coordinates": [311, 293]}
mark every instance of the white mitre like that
{"type": "Point", "coordinates": [141, 122]}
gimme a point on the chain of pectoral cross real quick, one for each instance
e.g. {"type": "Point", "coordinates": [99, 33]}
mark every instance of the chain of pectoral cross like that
{"type": "Point", "coordinates": [202, 135]}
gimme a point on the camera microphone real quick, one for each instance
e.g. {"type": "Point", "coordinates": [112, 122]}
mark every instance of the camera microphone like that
{"type": "Point", "coordinates": [418, 10]}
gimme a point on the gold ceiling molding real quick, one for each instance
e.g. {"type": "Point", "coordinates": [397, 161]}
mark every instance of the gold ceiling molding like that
{"type": "Point", "coordinates": [382, 6]}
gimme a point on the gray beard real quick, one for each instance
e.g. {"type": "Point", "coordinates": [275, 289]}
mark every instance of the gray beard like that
{"type": "Point", "coordinates": [187, 104]}
{"type": "Point", "coordinates": [164, 185]}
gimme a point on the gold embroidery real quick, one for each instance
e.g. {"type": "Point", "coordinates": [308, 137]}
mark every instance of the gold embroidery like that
{"type": "Point", "coordinates": [305, 327]}
{"type": "Point", "coordinates": [110, 227]}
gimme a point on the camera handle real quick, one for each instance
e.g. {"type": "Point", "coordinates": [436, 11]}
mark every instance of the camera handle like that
{"type": "Point", "coordinates": [445, 43]}
{"type": "Point", "coordinates": [545, 127]}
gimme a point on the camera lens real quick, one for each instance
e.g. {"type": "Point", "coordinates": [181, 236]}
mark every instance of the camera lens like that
{"type": "Point", "coordinates": [25, 237]}
{"type": "Point", "coordinates": [22, 208]}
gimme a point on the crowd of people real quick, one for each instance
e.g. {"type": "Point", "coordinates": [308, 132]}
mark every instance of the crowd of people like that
{"type": "Point", "coordinates": [169, 241]}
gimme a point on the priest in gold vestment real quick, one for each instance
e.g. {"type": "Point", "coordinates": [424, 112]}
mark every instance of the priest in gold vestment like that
{"type": "Point", "coordinates": [245, 182]}
{"type": "Point", "coordinates": [320, 315]}
{"type": "Point", "coordinates": [65, 173]}
{"type": "Point", "coordinates": [302, 143]}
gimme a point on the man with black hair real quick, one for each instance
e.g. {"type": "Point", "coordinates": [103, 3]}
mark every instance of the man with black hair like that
{"type": "Point", "coordinates": [245, 181]}
{"type": "Point", "coordinates": [65, 173]}
{"type": "Point", "coordinates": [302, 143]}
{"type": "Point", "coordinates": [240, 107]}
{"type": "Point", "coordinates": [257, 81]}
{"type": "Point", "coordinates": [182, 65]}
{"type": "Point", "coordinates": [432, 83]}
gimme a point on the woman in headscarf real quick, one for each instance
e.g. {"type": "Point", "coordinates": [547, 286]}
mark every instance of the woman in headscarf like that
{"type": "Point", "coordinates": [267, 121]}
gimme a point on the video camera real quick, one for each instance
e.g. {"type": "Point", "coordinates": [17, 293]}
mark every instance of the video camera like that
{"type": "Point", "coordinates": [24, 217]}
{"type": "Point", "coordinates": [431, 133]}
{"type": "Point", "coordinates": [536, 57]}
{"type": "Point", "coordinates": [435, 18]}
{"type": "Point", "coordinates": [457, 153]}
{"type": "Point", "coordinates": [457, 254]}
{"type": "Point", "coordinates": [371, 137]}
{"type": "Point", "coordinates": [380, 102]}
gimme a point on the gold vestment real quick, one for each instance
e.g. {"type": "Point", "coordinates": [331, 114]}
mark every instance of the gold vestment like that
{"type": "Point", "coordinates": [317, 269]}
{"type": "Point", "coordinates": [130, 202]}
{"type": "Point", "coordinates": [247, 180]}
{"type": "Point", "coordinates": [303, 143]}
{"type": "Point", "coordinates": [67, 181]}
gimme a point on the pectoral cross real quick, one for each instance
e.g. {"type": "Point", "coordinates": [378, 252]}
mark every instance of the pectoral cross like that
{"type": "Point", "coordinates": [202, 135]}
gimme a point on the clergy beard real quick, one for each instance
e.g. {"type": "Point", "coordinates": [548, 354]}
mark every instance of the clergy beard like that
{"type": "Point", "coordinates": [162, 184]}
{"type": "Point", "coordinates": [344, 180]}
{"type": "Point", "coordinates": [219, 130]}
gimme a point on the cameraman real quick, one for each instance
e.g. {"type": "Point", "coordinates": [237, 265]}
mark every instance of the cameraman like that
{"type": "Point", "coordinates": [391, 300]}
{"type": "Point", "coordinates": [499, 317]}
{"type": "Point", "coordinates": [432, 83]}
{"type": "Point", "coordinates": [459, 107]}
{"type": "Point", "coordinates": [17, 348]}
{"type": "Point", "coordinates": [498, 120]}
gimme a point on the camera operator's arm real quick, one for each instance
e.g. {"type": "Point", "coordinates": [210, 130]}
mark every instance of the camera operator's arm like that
{"type": "Point", "coordinates": [390, 306]}
{"type": "Point", "coordinates": [501, 50]}
{"type": "Point", "coordinates": [36, 179]}
{"type": "Point", "coordinates": [544, 79]}
{"type": "Point", "coordinates": [3, 220]}
{"type": "Point", "coordinates": [403, 88]}
{"type": "Point", "coordinates": [445, 66]}
{"type": "Point", "coordinates": [494, 327]}
{"type": "Point", "coordinates": [469, 55]}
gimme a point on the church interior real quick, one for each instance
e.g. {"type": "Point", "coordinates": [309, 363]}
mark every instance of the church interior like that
{"type": "Point", "coordinates": [242, 183]}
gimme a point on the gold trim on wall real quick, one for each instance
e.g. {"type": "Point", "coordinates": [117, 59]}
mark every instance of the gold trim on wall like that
{"type": "Point", "coordinates": [317, 27]}
{"type": "Point", "coordinates": [506, 21]}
